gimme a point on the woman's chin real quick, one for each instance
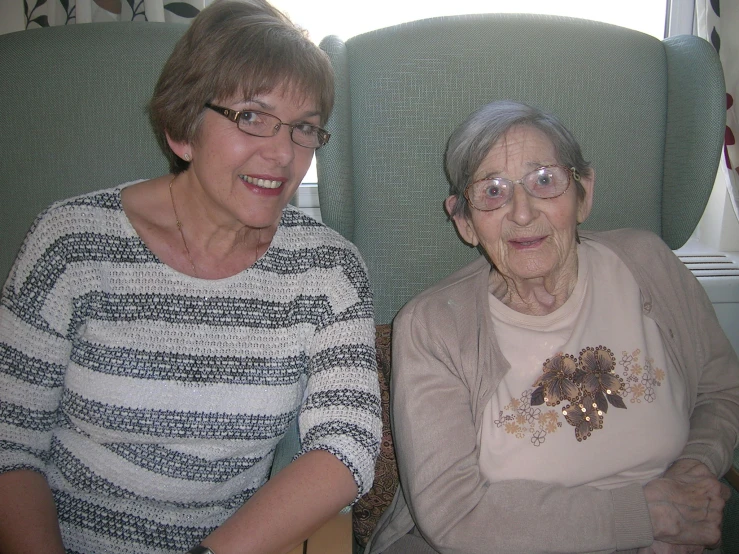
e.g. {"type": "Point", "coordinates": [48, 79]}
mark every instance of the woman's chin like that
{"type": "Point", "coordinates": [528, 265]}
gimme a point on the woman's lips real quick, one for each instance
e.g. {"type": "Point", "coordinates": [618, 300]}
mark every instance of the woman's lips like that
{"type": "Point", "coordinates": [265, 184]}
{"type": "Point", "coordinates": [525, 243]}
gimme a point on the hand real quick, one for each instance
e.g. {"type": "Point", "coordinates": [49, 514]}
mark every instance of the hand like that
{"type": "Point", "coordinates": [686, 505]}
{"type": "Point", "coordinates": [688, 470]}
{"type": "Point", "coordinates": [658, 547]}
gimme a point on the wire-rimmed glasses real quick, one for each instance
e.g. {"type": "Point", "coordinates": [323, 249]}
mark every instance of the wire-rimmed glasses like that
{"type": "Point", "coordinates": [263, 124]}
{"type": "Point", "coordinates": [548, 181]}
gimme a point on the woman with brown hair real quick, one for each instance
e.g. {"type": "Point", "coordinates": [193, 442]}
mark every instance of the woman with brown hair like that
{"type": "Point", "coordinates": [158, 338]}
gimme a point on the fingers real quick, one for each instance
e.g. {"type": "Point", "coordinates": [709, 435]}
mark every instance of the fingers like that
{"type": "Point", "coordinates": [688, 470]}
{"type": "Point", "coordinates": [725, 492]}
{"type": "Point", "coordinates": [659, 547]}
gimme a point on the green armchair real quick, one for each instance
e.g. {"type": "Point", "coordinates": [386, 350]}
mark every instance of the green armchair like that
{"type": "Point", "coordinates": [649, 115]}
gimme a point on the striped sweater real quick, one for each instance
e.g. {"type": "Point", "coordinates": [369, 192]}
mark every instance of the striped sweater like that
{"type": "Point", "coordinates": [153, 401]}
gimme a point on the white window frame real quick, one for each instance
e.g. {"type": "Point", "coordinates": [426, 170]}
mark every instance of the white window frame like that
{"type": "Point", "coordinates": [718, 229]}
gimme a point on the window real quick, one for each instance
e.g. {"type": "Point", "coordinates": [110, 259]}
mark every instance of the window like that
{"type": "Point", "coordinates": [328, 17]}
{"type": "Point", "coordinates": [336, 17]}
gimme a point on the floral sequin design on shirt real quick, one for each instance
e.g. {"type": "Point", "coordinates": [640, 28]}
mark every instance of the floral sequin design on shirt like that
{"type": "Point", "coordinates": [587, 384]}
{"type": "Point", "coordinates": [641, 380]}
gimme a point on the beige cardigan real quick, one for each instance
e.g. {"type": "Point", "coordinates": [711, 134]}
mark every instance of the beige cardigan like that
{"type": "Point", "coordinates": [446, 365]}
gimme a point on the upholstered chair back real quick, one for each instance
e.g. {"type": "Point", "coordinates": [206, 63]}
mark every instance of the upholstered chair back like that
{"type": "Point", "coordinates": [649, 115]}
{"type": "Point", "coordinates": [73, 115]}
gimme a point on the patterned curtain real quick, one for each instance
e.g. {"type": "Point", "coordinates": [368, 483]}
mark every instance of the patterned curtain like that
{"type": "Point", "coordinates": [718, 22]}
{"type": "Point", "coordinates": [45, 13]}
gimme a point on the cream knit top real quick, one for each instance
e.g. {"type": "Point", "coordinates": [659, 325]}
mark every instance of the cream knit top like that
{"type": "Point", "coordinates": [152, 401]}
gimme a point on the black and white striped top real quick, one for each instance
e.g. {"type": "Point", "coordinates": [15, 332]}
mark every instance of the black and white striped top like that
{"type": "Point", "coordinates": [152, 400]}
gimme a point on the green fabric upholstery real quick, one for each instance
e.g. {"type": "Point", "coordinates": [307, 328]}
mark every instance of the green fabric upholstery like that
{"type": "Point", "coordinates": [730, 535]}
{"type": "Point", "coordinates": [73, 115]}
{"type": "Point", "coordinates": [649, 115]}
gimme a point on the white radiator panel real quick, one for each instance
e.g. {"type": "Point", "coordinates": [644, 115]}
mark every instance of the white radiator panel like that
{"type": "Point", "coordinates": [718, 272]}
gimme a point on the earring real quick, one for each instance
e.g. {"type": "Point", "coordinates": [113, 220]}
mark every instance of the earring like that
{"type": "Point", "coordinates": [187, 157]}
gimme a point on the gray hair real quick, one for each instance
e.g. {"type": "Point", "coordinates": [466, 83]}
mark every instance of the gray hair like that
{"type": "Point", "coordinates": [471, 142]}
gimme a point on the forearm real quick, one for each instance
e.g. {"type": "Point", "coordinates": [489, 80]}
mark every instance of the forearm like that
{"type": "Point", "coordinates": [28, 519]}
{"type": "Point", "coordinates": [289, 508]}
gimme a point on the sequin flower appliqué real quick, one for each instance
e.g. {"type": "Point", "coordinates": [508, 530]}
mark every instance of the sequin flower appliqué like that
{"type": "Point", "coordinates": [589, 384]}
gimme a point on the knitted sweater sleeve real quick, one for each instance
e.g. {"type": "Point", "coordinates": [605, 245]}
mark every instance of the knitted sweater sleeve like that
{"type": "Point", "coordinates": [341, 408]}
{"type": "Point", "coordinates": [34, 348]}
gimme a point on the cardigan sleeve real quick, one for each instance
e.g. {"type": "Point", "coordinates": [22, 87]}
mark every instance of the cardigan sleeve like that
{"type": "Point", "coordinates": [453, 505]}
{"type": "Point", "coordinates": [708, 362]}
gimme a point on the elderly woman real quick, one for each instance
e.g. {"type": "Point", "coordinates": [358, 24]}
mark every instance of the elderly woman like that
{"type": "Point", "coordinates": [158, 338]}
{"type": "Point", "coordinates": [562, 393]}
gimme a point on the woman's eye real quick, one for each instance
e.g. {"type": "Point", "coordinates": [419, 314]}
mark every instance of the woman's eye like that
{"type": "Point", "coordinates": [307, 129]}
{"type": "Point", "coordinates": [492, 190]}
{"type": "Point", "coordinates": [250, 118]}
{"type": "Point", "coordinates": [544, 180]}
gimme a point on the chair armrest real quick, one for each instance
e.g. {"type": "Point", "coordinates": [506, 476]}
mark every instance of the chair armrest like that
{"type": "Point", "coordinates": [335, 537]}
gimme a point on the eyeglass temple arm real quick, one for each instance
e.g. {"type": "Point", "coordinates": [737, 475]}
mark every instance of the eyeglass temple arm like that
{"type": "Point", "coordinates": [233, 115]}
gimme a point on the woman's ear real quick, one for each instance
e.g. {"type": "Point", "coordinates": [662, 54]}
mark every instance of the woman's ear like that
{"type": "Point", "coordinates": [586, 204]}
{"type": "Point", "coordinates": [182, 149]}
{"type": "Point", "coordinates": [464, 226]}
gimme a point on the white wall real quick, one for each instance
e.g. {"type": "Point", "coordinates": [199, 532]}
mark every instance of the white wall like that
{"type": "Point", "coordinates": [718, 228]}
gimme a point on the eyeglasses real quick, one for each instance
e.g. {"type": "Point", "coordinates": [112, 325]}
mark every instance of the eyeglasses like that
{"type": "Point", "coordinates": [263, 124]}
{"type": "Point", "coordinates": [548, 181]}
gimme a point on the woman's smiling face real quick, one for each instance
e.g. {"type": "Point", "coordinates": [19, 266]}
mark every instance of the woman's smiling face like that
{"type": "Point", "coordinates": [528, 238]}
{"type": "Point", "coordinates": [246, 180]}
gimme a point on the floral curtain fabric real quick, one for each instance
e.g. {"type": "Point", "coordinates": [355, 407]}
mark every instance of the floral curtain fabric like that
{"type": "Point", "coordinates": [718, 22]}
{"type": "Point", "coordinates": [46, 13]}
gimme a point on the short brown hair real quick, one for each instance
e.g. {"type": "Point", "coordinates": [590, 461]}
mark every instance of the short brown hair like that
{"type": "Point", "coordinates": [235, 47]}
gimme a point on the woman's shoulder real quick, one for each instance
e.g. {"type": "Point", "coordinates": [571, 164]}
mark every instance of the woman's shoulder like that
{"type": "Point", "coordinates": [87, 203]}
{"type": "Point", "coordinates": [646, 255]}
{"type": "Point", "coordinates": [70, 229]}
{"type": "Point", "coordinates": [457, 292]}
{"type": "Point", "coordinates": [301, 231]}
{"type": "Point", "coordinates": [630, 243]}
{"type": "Point", "coordinates": [105, 199]}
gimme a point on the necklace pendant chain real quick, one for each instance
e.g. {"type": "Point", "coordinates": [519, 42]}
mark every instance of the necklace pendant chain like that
{"type": "Point", "coordinates": [179, 228]}
{"type": "Point", "coordinates": [182, 234]}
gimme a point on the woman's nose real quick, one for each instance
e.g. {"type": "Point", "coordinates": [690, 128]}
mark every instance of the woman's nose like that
{"type": "Point", "coordinates": [280, 148]}
{"type": "Point", "coordinates": [522, 209]}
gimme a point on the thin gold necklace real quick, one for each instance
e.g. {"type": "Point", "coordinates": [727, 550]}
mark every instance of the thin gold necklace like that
{"type": "Point", "coordinates": [179, 228]}
{"type": "Point", "coordinates": [184, 242]}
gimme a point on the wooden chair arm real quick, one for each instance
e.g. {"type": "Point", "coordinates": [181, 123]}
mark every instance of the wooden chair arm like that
{"type": "Point", "coordinates": [732, 476]}
{"type": "Point", "coordinates": [335, 537]}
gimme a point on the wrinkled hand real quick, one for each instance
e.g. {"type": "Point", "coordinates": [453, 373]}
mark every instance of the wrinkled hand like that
{"type": "Point", "coordinates": [686, 506]}
{"type": "Point", "coordinates": [659, 547]}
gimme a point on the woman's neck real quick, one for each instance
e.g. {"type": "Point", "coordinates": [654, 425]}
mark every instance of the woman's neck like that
{"type": "Point", "coordinates": [536, 296]}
